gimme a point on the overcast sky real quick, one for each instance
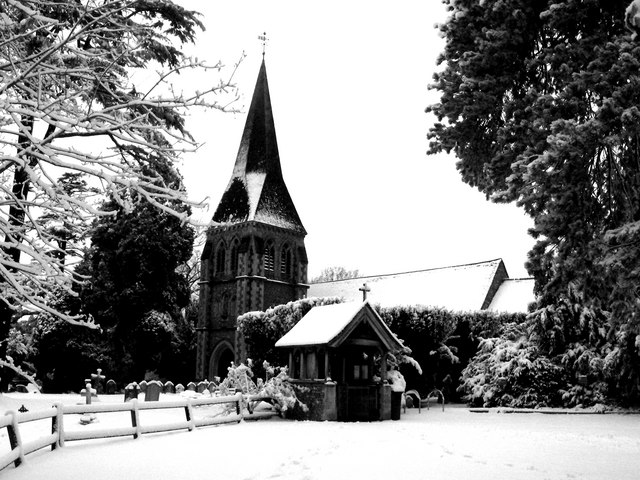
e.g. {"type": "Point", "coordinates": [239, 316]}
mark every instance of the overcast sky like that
{"type": "Point", "coordinates": [348, 83]}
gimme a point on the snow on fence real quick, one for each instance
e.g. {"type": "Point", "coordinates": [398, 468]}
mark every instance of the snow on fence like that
{"type": "Point", "coordinates": [19, 449]}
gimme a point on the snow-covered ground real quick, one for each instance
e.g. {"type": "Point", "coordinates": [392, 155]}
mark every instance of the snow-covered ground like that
{"type": "Point", "coordinates": [454, 444]}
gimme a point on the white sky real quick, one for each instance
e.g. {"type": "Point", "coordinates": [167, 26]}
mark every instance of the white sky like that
{"type": "Point", "coordinates": [348, 84]}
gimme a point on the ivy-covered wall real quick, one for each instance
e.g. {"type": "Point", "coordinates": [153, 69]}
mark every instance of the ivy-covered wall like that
{"type": "Point", "coordinates": [442, 341]}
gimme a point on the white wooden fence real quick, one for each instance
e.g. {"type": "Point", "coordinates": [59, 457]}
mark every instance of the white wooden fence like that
{"type": "Point", "coordinates": [19, 448]}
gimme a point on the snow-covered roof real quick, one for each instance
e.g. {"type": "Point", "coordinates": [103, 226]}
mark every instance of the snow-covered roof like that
{"type": "Point", "coordinates": [323, 325]}
{"type": "Point", "coordinates": [256, 190]}
{"type": "Point", "coordinates": [513, 295]}
{"type": "Point", "coordinates": [459, 287]}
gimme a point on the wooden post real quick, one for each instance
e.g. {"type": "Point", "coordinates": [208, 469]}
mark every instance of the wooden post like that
{"type": "Point", "coordinates": [57, 426]}
{"type": "Point", "coordinates": [135, 417]}
{"type": "Point", "coordinates": [291, 364]}
{"type": "Point", "coordinates": [13, 430]}
{"type": "Point", "coordinates": [303, 373]}
{"type": "Point", "coordinates": [327, 364]}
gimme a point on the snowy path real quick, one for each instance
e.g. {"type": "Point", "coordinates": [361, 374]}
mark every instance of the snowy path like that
{"type": "Point", "coordinates": [455, 444]}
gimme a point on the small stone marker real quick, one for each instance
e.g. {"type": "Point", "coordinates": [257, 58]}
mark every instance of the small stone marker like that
{"type": "Point", "coordinates": [169, 387]}
{"type": "Point", "coordinates": [179, 388]}
{"type": "Point", "coordinates": [143, 386]}
{"type": "Point", "coordinates": [96, 380]}
{"type": "Point", "coordinates": [191, 386]}
{"type": "Point", "coordinates": [88, 391]}
{"type": "Point", "coordinates": [152, 394]}
{"type": "Point", "coordinates": [23, 409]}
{"type": "Point", "coordinates": [111, 387]}
{"type": "Point", "coordinates": [131, 391]}
{"type": "Point", "coordinates": [202, 386]}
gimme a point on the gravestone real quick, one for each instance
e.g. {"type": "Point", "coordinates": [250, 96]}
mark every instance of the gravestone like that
{"type": "Point", "coordinates": [191, 386]}
{"type": "Point", "coordinates": [96, 381]}
{"type": "Point", "coordinates": [169, 387]}
{"type": "Point", "coordinates": [152, 394]}
{"type": "Point", "coordinates": [202, 386]}
{"type": "Point", "coordinates": [179, 388]}
{"type": "Point", "coordinates": [143, 386]}
{"type": "Point", "coordinates": [131, 391]}
{"type": "Point", "coordinates": [212, 388]}
{"type": "Point", "coordinates": [111, 387]}
{"type": "Point", "coordinates": [88, 391]}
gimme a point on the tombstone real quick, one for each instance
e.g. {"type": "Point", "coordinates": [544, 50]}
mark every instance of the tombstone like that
{"type": "Point", "coordinates": [143, 386]}
{"type": "Point", "coordinates": [152, 394]}
{"type": "Point", "coordinates": [96, 381]}
{"type": "Point", "coordinates": [213, 388]}
{"type": "Point", "coordinates": [131, 391]}
{"type": "Point", "coordinates": [111, 387]}
{"type": "Point", "coordinates": [202, 386]}
{"type": "Point", "coordinates": [191, 386]}
{"type": "Point", "coordinates": [169, 387]}
{"type": "Point", "coordinates": [88, 391]}
{"type": "Point", "coordinates": [179, 388]}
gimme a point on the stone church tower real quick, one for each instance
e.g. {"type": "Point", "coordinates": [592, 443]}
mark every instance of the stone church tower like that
{"type": "Point", "coordinates": [254, 257]}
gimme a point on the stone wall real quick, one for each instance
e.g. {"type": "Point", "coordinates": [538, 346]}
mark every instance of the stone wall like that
{"type": "Point", "coordinates": [320, 398]}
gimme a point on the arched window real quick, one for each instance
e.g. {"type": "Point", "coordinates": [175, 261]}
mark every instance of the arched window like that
{"type": "Point", "coordinates": [234, 256]}
{"type": "Point", "coordinates": [269, 259]}
{"type": "Point", "coordinates": [286, 261]}
{"type": "Point", "coordinates": [220, 258]}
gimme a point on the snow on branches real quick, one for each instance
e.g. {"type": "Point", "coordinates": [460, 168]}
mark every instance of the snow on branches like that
{"type": "Point", "coordinates": [69, 105]}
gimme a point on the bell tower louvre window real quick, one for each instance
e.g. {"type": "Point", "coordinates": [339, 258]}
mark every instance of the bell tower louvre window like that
{"type": "Point", "coordinates": [234, 257]}
{"type": "Point", "coordinates": [285, 262]}
{"type": "Point", "coordinates": [269, 260]}
{"type": "Point", "coordinates": [220, 259]}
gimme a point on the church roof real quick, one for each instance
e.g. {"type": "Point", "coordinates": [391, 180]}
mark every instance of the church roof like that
{"type": "Point", "coordinates": [513, 295]}
{"type": "Point", "coordinates": [332, 324]}
{"type": "Point", "coordinates": [460, 287]}
{"type": "Point", "coordinates": [257, 191]}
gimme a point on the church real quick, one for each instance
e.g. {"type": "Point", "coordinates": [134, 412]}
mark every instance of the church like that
{"type": "Point", "coordinates": [254, 257]}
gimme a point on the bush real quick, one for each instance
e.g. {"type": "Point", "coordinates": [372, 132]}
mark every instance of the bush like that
{"type": "Point", "coordinates": [509, 371]}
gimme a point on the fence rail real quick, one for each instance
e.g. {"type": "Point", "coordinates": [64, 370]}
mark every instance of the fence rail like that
{"type": "Point", "coordinates": [19, 449]}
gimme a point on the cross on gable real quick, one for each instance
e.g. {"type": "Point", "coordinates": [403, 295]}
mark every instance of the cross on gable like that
{"type": "Point", "coordinates": [364, 289]}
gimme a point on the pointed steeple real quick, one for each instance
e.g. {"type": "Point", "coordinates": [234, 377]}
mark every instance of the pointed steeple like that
{"type": "Point", "coordinates": [257, 191]}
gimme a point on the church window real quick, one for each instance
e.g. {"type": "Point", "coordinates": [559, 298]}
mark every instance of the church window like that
{"type": "Point", "coordinates": [286, 261]}
{"type": "Point", "coordinates": [269, 259]}
{"type": "Point", "coordinates": [234, 257]}
{"type": "Point", "coordinates": [220, 259]}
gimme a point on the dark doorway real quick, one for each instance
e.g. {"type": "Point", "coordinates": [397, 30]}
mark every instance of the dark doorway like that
{"type": "Point", "coordinates": [224, 362]}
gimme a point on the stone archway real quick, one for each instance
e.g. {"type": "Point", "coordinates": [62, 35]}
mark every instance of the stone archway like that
{"type": "Point", "coordinates": [220, 360]}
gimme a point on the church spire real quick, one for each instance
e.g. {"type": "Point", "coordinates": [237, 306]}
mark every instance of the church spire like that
{"type": "Point", "coordinates": [257, 191]}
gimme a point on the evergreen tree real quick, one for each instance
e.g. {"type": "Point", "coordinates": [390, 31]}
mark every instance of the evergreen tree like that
{"type": "Point", "coordinates": [135, 291]}
{"type": "Point", "coordinates": [540, 103]}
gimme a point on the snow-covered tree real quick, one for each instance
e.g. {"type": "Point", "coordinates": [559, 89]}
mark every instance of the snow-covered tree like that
{"type": "Point", "coordinates": [541, 104]}
{"type": "Point", "coordinates": [85, 87]}
{"type": "Point", "coordinates": [330, 274]}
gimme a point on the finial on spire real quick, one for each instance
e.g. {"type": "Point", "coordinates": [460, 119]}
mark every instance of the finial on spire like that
{"type": "Point", "coordinates": [264, 39]}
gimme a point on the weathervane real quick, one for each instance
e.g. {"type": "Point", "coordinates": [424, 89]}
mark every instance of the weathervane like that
{"type": "Point", "coordinates": [264, 39]}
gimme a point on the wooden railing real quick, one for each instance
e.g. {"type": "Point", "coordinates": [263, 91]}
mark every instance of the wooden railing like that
{"type": "Point", "coordinates": [19, 448]}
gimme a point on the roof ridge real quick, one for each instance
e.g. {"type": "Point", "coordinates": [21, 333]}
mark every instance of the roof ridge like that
{"type": "Point", "coordinates": [408, 272]}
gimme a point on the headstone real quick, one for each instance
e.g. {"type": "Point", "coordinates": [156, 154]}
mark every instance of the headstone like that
{"type": "Point", "coordinates": [213, 387]}
{"type": "Point", "coordinates": [111, 386]}
{"type": "Point", "coordinates": [96, 381]}
{"type": "Point", "coordinates": [88, 391]}
{"type": "Point", "coordinates": [152, 394]}
{"type": "Point", "coordinates": [143, 386]}
{"type": "Point", "coordinates": [202, 386]}
{"type": "Point", "coordinates": [169, 387]}
{"type": "Point", "coordinates": [191, 386]}
{"type": "Point", "coordinates": [131, 391]}
{"type": "Point", "coordinates": [179, 388]}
